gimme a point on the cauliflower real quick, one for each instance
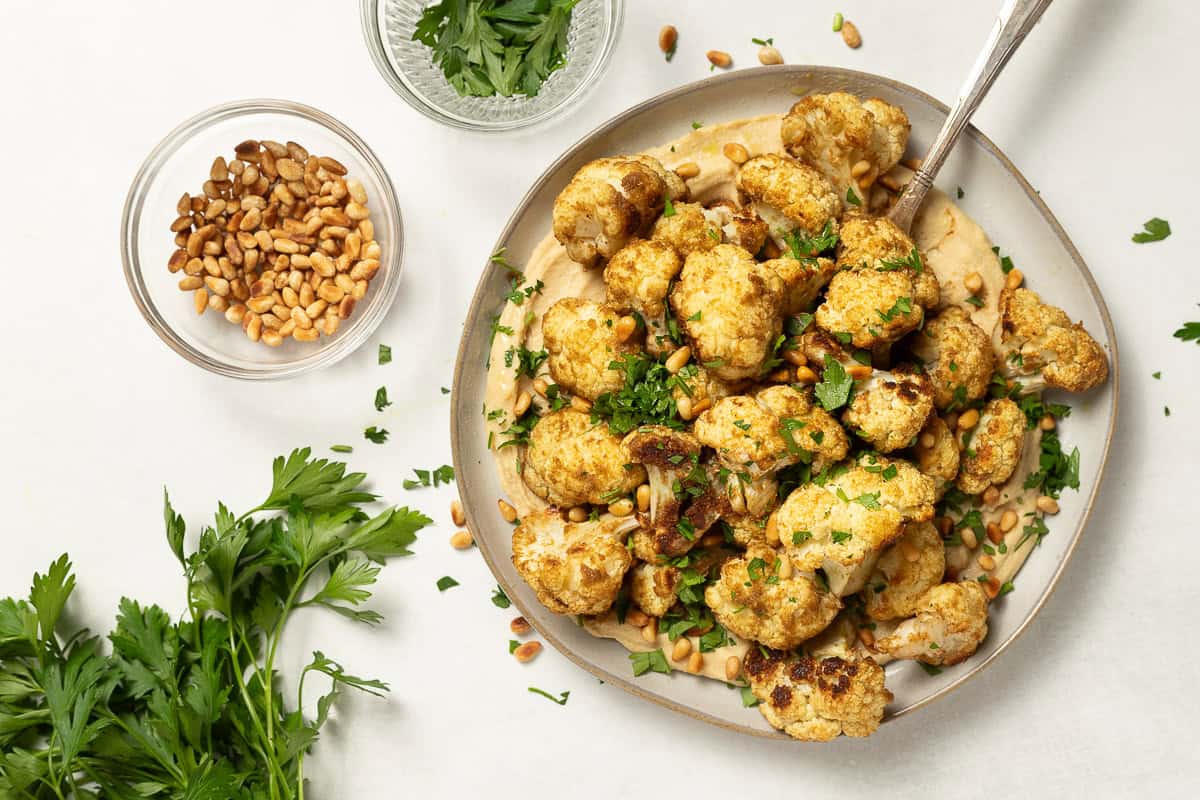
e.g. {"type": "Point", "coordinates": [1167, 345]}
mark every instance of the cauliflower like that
{"type": "Point", "coordinates": [994, 449]}
{"type": "Point", "coordinates": [812, 429]}
{"type": "Point", "coordinates": [747, 530]}
{"type": "Point", "coordinates": [571, 461]}
{"type": "Point", "coordinates": [730, 307]}
{"type": "Point", "coordinates": [915, 563]}
{"type": "Point", "coordinates": [788, 195]}
{"type": "Point", "coordinates": [843, 525]}
{"type": "Point", "coordinates": [582, 342]}
{"type": "Point", "coordinates": [639, 276]}
{"type": "Point", "coordinates": [815, 344]}
{"type": "Point", "coordinates": [609, 201]}
{"type": "Point", "coordinates": [937, 454]}
{"type": "Point", "coordinates": [950, 623]}
{"type": "Point", "coordinates": [574, 567]}
{"type": "Point", "coordinates": [875, 308]}
{"type": "Point", "coordinates": [669, 458]}
{"type": "Point", "coordinates": [654, 588]}
{"type": "Point", "coordinates": [1038, 339]}
{"type": "Point", "coordinates": [889, 409]}
{"type": "Point", "coordinates": [815, 700]}
{"type": "Point", "coordinates": [752, 600]}
{"type": "Point", "coordinates": [693, 228]}
{"type": "Point", "coordinates": [835, 131]}
{"type": "Point", "coordinates": [803, 280]}
{"type": "Point", "coordinates": [702, 385]}
{"type": "Point", "coordinates": [958, 358]}
{"type": "Point", "coordinates": [867, 242]}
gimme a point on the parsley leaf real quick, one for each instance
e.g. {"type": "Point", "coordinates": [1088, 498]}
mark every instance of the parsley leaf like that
{"type": "Point", "coordinates": [852, 198]}
{"type": "Point", "coordinates": [500, 599]}
{"type": "Point", "coordinates": [1190, 332]}
{"type": "Point", "coordinates": [652, 661]}
{"type": "Point", "coordinates": [561, 699]}
{"type": "Point", "coordinates": [381, 399]}
{"type": "Point", "coordinates": [1155, 231]}
{"type": "Point", "coordinates": [834, 389]}
{"type": "Point", "coordinates": [434, 477]}
{"type": "Point", "coordinates": [446, 582]}
{"type": "Point", "coordinates": [385, 354]}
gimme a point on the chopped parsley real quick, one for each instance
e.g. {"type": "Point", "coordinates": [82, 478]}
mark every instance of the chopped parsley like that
{"type": "Point", "coordinates": [852, 198]}
{"type": "Point", "coordinates": [668, 206]}
{"type": "Point", "coordinates": [446, 582]}
{"type": "Point", "coordinates": [1056, 470]}
{"type": "Point", "coordinates": [518, 433]}
{"type": "Point", "coordinates": [838, 19]}
{"type": "Point", "coordinates": [646, 398]}
{"type": "Point", "coordinates": [376, 435]}
{"type": "Point", "coordinates": [911, 261]}
{"type": "Point", "coordinates": [1155, 231]}
{"type": "Point", "coordinates": [381, 399]}
{"type": "Point", "coordinates": [763, 41]}
{"type": "Point", "coordinates": [869, 500]}
{"type": "Point", "coordinates": [960, 193]}
{"type": "Point", "coordinates": [500, 599]}
{"type": "Point", "coordinates": [806, 248]}
{"type": "Point", "coordinates": [1190, 332]}
{"type": "Point", "coordinates": [748, 698]}
{"type": "Point", "coordinates": [794, 326]}
{"type": "Point", "coordinates": [431, 477]}
{"type": "Point", "coordinates": [930, 669]}
{"type": "Point", "coordinates": [513, 644]}
{"type": "Point", "coordinates": [527, 361]}
{"type": "Point", "coordinates": [838, 537]}
{"type": "Point", "coordinates": [385, 354]}
{"type": "Point", "coordinates": [697, 126]}
{"type": "Point", "coordinates": [903, 305]}
{"type": "Point", "coordinates": [652, 661]}
{"type": "Point", "coordinates": [561, 699]}
{"type": "Point", "coordinates": [800, 537]}
{"type": "Point", "coordinates": [834, 389]}
{"type": "Point", "coordinates": [1156, 375]}
{"type": "Point", "coordinates": [501, 260]}
{"type": "Point", "coordinates": [341, 448]}
{"type": "Point", "coordinates": [518, 293]}
{"type": "Point", "coordinates": [975, 300]}
{"type": "Point", "coordinates": [1006, 263]}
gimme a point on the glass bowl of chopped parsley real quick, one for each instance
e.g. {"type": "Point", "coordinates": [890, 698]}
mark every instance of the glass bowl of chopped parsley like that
{"type": "Point", "coordinates": [490, 65]}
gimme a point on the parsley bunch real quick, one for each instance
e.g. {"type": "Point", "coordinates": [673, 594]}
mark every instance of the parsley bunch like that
{"type": "Point", "coordinates": [496, 47]}
{"type": "Point", "coordinates": [194, 708]}
{"type": "Point", "coordinates": [646, 397]}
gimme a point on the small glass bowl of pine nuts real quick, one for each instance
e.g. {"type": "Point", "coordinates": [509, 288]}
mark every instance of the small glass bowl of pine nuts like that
{"type": "Point", "coordinates": [350, 200]}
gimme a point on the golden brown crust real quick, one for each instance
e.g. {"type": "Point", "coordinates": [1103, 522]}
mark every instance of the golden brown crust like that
{"type": "Point", "coordinates": [1037, 337]}
{"type": "Point", "coordinates": [994, 449]}
{"type": "Point", "coordinates": [958, 357]}
{"type": "Point", "coordinates": [582, 342]}
{"type": "Point", "coordinates": [905, 572]}
{"type": "Point", "coordinates": [571, 460]}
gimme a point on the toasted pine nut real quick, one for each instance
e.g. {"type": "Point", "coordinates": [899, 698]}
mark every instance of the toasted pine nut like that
{"type": "Point", "coordinates": [702, 406]}
{"type": "Point", "coordinates": [859, 372]}
{"type": "Point", "coordinates": [889, 183]}
{"type": "Point", "coordinates": [991, 496]}
{"type": "Point", "coordinates": [522, 404]}
{"type": "Point", "coordinates": [650, 631]}
{"type": "Point", "coordinates": [252, 325]}
{"type": "Point", "coordinates": [769, 55]}
{"type": "Point", "coordinates": [785, 567]}
{"type": "Point", "coordinates": [866, 636]}
{"type": "Point", "coordinates": [968, 419]}
{"type": "Point", "coordinates": [506, 511]}
{"type": "Point", "coordinates": [271, 338]}
{"type": "Point", "coordinates": [969, 538]}
{"type": "Point", "coordinates": [719, 58]}
{"type": "Point", "coordinates": [850, 35]}
{"type": "Point", "coordinates": [520, 626]}
{"type": "Point", "coordinates": [643, 498]}
{"type": "Point", "coordinates": [684, 406]}
{"type": "Point", "coordinates": [200, 300]}
{"type": "Point", "coordinates": [1008, 520]}
{"type": "Point", "coordinates": [860, 168]}
{"type": "Point", "coordinates": [1048, 422]}
{"type": "Point", "coordinates": [771, 531]}
{"type": "Point", "coordinates": [457, 515]}
{"type": "Point", "coordinates": [461, 540]}
{"type": "Point", "coordinates": [913, 164]}
{"type": "Point", "coordinates": [992, 587]}
{"type": "Point", "coordinates": [621, 508]}
{"type": "Point", "coordinates": [733, 665]}
{"type": "Point", "coordinates": [695, 663]}
{"type": "Point", "coordinates": [994, 534]}
{"type": "Point", "coordinates": [190, 282]}
{"type": "Point", "coordinates": [1015, 278]}
{"type": "Point", "coordinates": [712, 539]}
{"type": "Point", "coordinates": [688, 169]}
{"type": "Point", "coordinates": [1047, 504]}
{"type": "Point", "coordinates": [973, 282]}
{"type": "Point", "coordinates": [805, 375]}
{"type": "Point", "coordinates": [625, 328]}
{"type": "Point", "coordinates": [540, 386]}
{"type": "Point", "coordinates": [527, 652]}
{"type": "Point", "coordinates": [986, 562]}
{"type": "Point", "coordinates": [577, 514]}
{"type": "Point", "coordinates": [944, 526]}
{"type": "Point", "coordinates": [781, 375]}
{"type": "Point", "coordinates": [736, 153]}
{"type": "Point", "coordinates": [306, 334]}
{"type": "Point", "coordinates": [636, 617]}
{"type": "Point", "coordinates": [667, 38]}
{"type": "Point", "coordinates": [678, 359]}
{"type": "Point", "coordinates": [235, 313]}
{"type": "Point", "coordinates": [794, 357]}
{"type": "Point", "coordinates": [682, 649]}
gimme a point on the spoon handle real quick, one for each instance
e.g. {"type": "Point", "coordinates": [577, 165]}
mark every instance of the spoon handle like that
{"type": "Point", "coordinates": [1013, 23]}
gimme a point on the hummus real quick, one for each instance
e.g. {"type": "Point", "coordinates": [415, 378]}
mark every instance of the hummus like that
{"type": "Point", "coordinates": [954, 246]}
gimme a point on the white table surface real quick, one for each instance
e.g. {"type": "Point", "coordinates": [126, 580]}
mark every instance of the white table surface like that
{"type": "Point", "coordinates": [1098, 109]}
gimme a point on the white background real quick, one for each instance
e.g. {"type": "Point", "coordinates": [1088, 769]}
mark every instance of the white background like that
{"type": "Point", "coordinates": [1098, 698]}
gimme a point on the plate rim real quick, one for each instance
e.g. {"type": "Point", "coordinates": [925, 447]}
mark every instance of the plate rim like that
{"type": "Point", "coordinates": [796, 70]}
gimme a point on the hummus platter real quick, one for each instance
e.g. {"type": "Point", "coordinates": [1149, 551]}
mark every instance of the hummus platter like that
{"type": "Point", "coordinates": [746, 427]}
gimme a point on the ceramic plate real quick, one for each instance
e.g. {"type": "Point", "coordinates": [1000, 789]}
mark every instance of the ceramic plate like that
{"type": "Point", "coordinates": [1000, 200]}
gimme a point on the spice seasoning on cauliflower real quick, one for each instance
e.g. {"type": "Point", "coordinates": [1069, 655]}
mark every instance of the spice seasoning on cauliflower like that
{"type": "Point", "coordinates": [914, 564]}
{"type": "Point", "coordinates": [582, 342]}
{"type": "Point", "coordinates": [1039, 340]}
{"type": "Point", "coordinates": [572, 460]}
{"type": "Point", "coordinates": [950, 623]}
{"type": "Point", "coordinates": [890, 408]}
{"type": "Point", "coordinates": [788, 195]}
{"type": "Point", "coordinates": [994, 448]}
{"type": "Point", "coordinates": [958, 357]}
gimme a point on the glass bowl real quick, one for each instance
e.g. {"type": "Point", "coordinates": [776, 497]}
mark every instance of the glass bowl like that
{"type": "Point", "coordinates": [408, 66]}
{"type": "Point", "coordinates": [180, 163]}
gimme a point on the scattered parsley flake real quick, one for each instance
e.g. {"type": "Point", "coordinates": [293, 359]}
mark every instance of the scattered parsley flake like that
{"type": "Point", "coordinates": [446, 582]}
{"type": "Point", "coordinates": [341, 448]}
{"type": "Point", "coordinates": [852, 198]}
{"type": "Point", "coordinates": [560, 700]}
{"type": "Point", "coordinates": [1190, 332]}
{"type": "Point", "coordinates": [652, 661]}
{"type": "Point", "coordinates": [385, 354]}
{"type": "Point", "coordinates": [1156, 230]}
{"type": "Point", "coordinates": [834, 389]}
{"type": "Point", "coordinates": [381, 399]}
{"type": "Point", "coordinates": [500, 599]}
{"type": "Point", "coordinates": [435, 477]}
{"type": "Point", "coordinates": [376, 435]}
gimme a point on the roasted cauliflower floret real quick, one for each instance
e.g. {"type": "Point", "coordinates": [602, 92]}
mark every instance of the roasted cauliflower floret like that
{"type": "Point", "coordinates": [671, 459]}
{"type": "Point", "coordinates": [867, 242]}
{"type": "Point", "coordinates": [582, 341]}
{"type": "Point", "coordinates": [835, 131]}
{"type": "Point", "coordinates": [1038, 339]}
{"type": "Point", "coordinates": [811, 427]}
{"type": "Point", "coordinates": [730, 307]}
{"type": "Point", "coordinates": [693, 228]}
{"type": "Point", "coordinates": [950, 623]}
{"type": "Point", "coordinates": [655, 587]}
{"type": "Point", "coordinates": [889, 409]}
{"type": "Point", "coordinates": [609, 201]}
{"type": "Point", "coordinates": [571, 461]}
{"type": "Point", "coordinates": [842, 526]}
{"type": "Point", "coordinates": [875, 308]}
{"type": "Point", "coordinates": [574, 567]}
{"type": "Point", "coordinates": [747, 530]}
{"type": "Point", "coordinates": [803, 280]}
{"type": "Point", "coordinates": [937, 453]}
{"type": "Point", "coordinates": [958, 358]}
{"type": "Point", "coordinates": [994, 449]}
{"type": "Point", "coordinates": [740, 226]}
{"type": "Point", "coordinates": [788, 195]}
{"type": "Point", "coordinates": [639, 276]}
{"type": "Point", "coordinates": [817, 699]}
{"type": "Point", "coordinates": [702, 385]}
{"type": "Point", "coordinates": [754, 600]}
{"type": "Point", "coordinates": [914, 564]}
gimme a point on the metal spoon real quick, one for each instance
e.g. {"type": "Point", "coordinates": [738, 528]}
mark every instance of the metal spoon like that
{"type": "Point", "coordinates": [1015, 20]}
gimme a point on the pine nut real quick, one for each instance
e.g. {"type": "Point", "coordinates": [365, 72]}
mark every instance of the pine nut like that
{"type": "Point", "coordinates": [736, 153]}
{"type": "Point", "coordinates": [522, 404]}
{"type": "Point", "coordinates": [733, 666]}
{"type": "Point", "coordinates": [719, 58]}
{"type": "Point", "coordinates": [986, 562]}
{"type": "Point", "coordinates": [527, 652]}
{"type": "Point", "coordinates": [457, 515]}
{"type": "Point", "coordinates": [969, 538]}
{"type": "Point", "coordinates": [1008, 520]}
{"type": "Point", "coordinates": [913, 164]}
{"type": "Point", "coordinates": [287, 328]}
{"type": "Point", "coordinates": [625, 327]}
{"type": "Point", "coordinates": [271, 338]}
{"type": "Point", "coordinates": [650, 631]}
{"type": "Point", "coordinates": [1015, 279]}
{"type": "Point", "coordinates": [200, 300]}
{"type": "Point", "coordinates": [540, 387]}
{"type": "Point", "coordinates": [991, 496]}
{"type": "Point", "coordinates": [994, 534]}
{"type": "Point", "coordinates": [890, 183]}
{"type": "Point", "coordinates": [252, 326]}
{"type": "Point", "coordinates": [805, 375]}
{"type": "Point", "coordinates": [682, 649]}
{"type": "Point", "coordinates": [305, 334]}
{"type": "Point", "coordinates": [687, 170]}
{"type": "Point", "coordinates": [636, 617]}
{"type": "Point", "coordinates": [678, 359]}
{"type": "Point", "coordinates": [578, 514]}
{"type": "Point", "coordinates": [506, 511]}
{"type": "Point", "coordinates": [1047, 423]}
{"type": "Point", "coordinates": [695, 663]}
{"type": "Point", "coordinates": [461, 540]}
{"type": "Point", "coordinates": [712, 539]}
{"type": "Point", "coordinates": [235, 313]}
{"type": "Point", "coordinates": [968, 419]}
{"type": "Point", "coordinates": [785, 567]}
{"type": "Point", "coordinates": [771, 531]}
{"type": "Point", "coordinates": [850, 35]}
{"type": "Point", "coordinates": [973, 282]}
{"type": "Point", "coordinates": [859, 372]}
{"type": "Point", "coordinates": [769, 55]}
{"type": "Point", "coordinates": [190, 282]}
{"type": "Point", "coordinates": [684, 406]}
{"type": "Point", "coordinates": [290, 298]}
{"type": "Point", "coordinates": [860, 168]}
{"type": "Point", "coordinates": [992, 587]}
{"type": "Point", "coordinates": [1047, 504]}
{"type": "Point", "coordinates": [702, 406]}
{"type": "Point", "coordinates": [866, 636]}
{"type": "Point", "coordinates": [581, 405]}
{"type": "Point", "coordinates": [667, 38]}
{"type": "Point", "coordinates": [781, 375]}
{"type": "Point", "coordinates": [621, 508]}
{"type": "Point", "coordinates": [794, 357]}
{"type": "Point", "coordinates": [643, 498]}
{"type": "Point", "coordinates": [346, 307]}
{"type": "Point", "coordinates": [944, 526]}
{"type": "Point", "coordinates": [218, 303]}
